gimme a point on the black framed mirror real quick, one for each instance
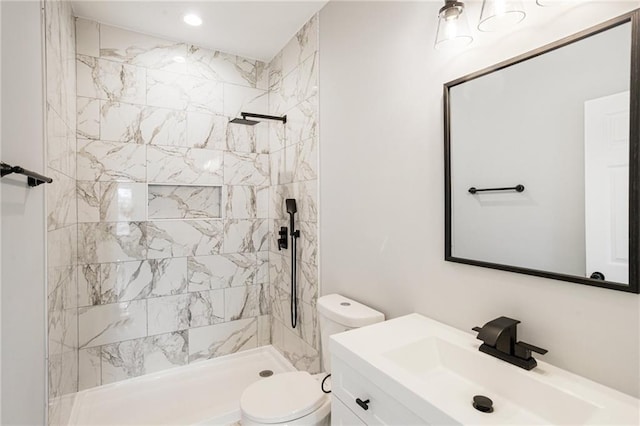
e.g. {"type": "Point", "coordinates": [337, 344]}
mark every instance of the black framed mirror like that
{"type": "Point", "coordinates": [542, 163]}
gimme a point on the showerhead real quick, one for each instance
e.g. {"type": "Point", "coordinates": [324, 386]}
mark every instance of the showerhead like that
{"type": "Point", "coordinates": [291, 205]}
{"type": "Point", "coordinates": [244, 121]}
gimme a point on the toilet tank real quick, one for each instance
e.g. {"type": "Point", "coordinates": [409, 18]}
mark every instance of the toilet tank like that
{"type": "Point", "coordinates": [337, 314]}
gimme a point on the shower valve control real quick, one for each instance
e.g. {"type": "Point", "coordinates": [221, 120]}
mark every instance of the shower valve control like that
{"type": "Point", "coordinates": [282, 241]}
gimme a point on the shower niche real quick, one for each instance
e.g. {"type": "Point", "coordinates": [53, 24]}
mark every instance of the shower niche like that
{"type": "Point", "coordinates": [183, 201]}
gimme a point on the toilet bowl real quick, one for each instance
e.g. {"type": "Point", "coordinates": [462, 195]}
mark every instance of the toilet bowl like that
{"type": "Point", "coordinates": [296, 398]}
{"type": "Point", "coordinates": [293, 398]}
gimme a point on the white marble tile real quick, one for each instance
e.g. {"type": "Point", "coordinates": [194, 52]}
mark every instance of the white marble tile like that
{"type": "Point", "coordinates": [89, 285]}
{"type": "Point", "coordinates": [245, 235]}
{"type": "Point", "coordinates": [184, 165]}
{"type": "Point", "coordinates": [88, 118]}
{"type": "Point", "coordinates": [184, 311]}
{"type": "Point", "coordinates": [241, 202]}
{"type": "Point", "coordinates": [111, 161]}
{"type": "Point", "coordinates": [278, 194]}
{"type": "Point", "coordinates": [306, 160]}
{"type": "Point", "coordinates": [262, 273]}
{"type": "Point", "coordinates": [302, 122]}
{"type": "Point", "coordinates": [299, 85]}
{"type": "Point", "coordinates": [61, 200]}
{"type": "Point", "coordinates": [104, 324]}
{"type": "Point", "coordinates": [220, 66]}
{"type": "Point", "coordinates": [302, 355]}
{"type": "Point", "coordinates": [159, 126]}
{"type": "Point", "coordinates": [121, 122]}
{"type": "Point", "coordinates": [262, 138]}
{"type": "Point", "coordinates": [111, 242]}
{"type": "Point", "coordinates": [306, 193]}
{"type": "Point", "coordinates": [277, 167]}
{"type": "Point", "coordinates": [207, 131]}
{"type": "Point", "coordinates": [111, 201]}
{"type": "Point", "coordinates": [246, 169]}
{"type": "Point", "coordinates": [177, 91]}
{"type": "Point", "coordinates": [308, 282]}
{"type": "Point", "coordinates": [308, 242]}
{"type": "Point", "coordinates": [222, 339]}
{"type": "Point", "coordinates": [124, 281]}
{"type": "Point", "coordinates": [262, 202]}
{"type": "Point", "coordinates": [63, 371]}
{"type": "Point", "coordinates": [221, 271]}
{"type": "Point", "coordinates": [137, 357]}
{"type": "Point", "coordinates": [63, 331]}
{"type": "Point", "coordinates": [60, 145]}
{"type": "Point", "coordinates": [241, 302]}
{"type": "Point", "coordinates": [242, 98]}
{"type": "Point", "coordinates": [277, 136]}
{"type": "Point", "coordinates": [89, 368]}
{"type": "Point", "coordinates": [62, 246]}
{"type": "Point", "coordinates": [180, 202]}
{"type": "Point", "coordinates": [177, 238]}
{"type": "Point", "coordinates": [241, 138]}
{"type": "Point", "coordinates": [113, 81]}
{"type": "Point", "coordinates": [87, 37]}
{"type": "Point", "coordinates": [264, 330]}
{"type": "Point", "coordinates": [262, 75]}
{"type": "Point", "coordinates": [301, 46]}
{"type": "Point", "coordinates": [117, 44]}
{"type": "Point", "coordinates": [275, 71]}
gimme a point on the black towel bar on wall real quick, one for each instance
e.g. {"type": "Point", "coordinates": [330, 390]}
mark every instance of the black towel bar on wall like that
{"type": "Point", "coordinates": [517, 188]}
{"type": "Point", "coordinates": [34, 179]}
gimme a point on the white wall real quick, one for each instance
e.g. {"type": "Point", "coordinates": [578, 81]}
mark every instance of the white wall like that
{"type": "Point", "coordinates": [381, 187]}
{"type": "Point", "coordinates": [23, 233]}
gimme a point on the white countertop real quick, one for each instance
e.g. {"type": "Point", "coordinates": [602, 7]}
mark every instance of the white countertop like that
{"type": "Point", "coordinates": [435, 370]}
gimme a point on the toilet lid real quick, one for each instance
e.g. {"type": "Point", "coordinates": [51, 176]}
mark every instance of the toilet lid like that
{"type": "Point", "coordinates": [281, 397]}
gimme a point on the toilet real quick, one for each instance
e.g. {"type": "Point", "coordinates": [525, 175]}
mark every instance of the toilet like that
{"type": "Point", "coordinates": [295, 398]}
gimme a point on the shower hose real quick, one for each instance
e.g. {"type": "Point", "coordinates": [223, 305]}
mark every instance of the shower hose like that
{"type": "Point", "coordinates": [294, 282]}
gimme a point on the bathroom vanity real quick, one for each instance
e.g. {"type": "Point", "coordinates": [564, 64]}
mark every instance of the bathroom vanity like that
{"type": "Point", "coordinates": [414, 370]}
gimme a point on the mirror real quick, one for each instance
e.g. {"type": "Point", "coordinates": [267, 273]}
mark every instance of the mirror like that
{"type": "Point", "coordinates": [542, 163]}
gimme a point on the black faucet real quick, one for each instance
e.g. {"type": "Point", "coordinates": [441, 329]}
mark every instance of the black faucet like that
{"type": "Point", "coordinates": [500, 340]}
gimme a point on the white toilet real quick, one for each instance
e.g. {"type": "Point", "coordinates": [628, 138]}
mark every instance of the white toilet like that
{"type": "Point", "coordinates": [296, 398]}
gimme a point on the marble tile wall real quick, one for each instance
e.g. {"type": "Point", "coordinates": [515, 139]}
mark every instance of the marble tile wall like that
{"type": "Point", "coordinates": [173, 205]}
{"type": "Point", "coordinates": [293, 90]}
{"type": "Point", "coordinates": [62, 246]}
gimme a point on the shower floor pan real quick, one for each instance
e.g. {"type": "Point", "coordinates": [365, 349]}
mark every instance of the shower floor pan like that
{"type": "Point", "coordinates": [204, 393]}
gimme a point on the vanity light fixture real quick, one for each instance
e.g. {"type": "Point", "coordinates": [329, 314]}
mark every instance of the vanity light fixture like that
{"type": "Point", "coordinates": [192, 19]}
{"type": "Point", "coordinates": [453, 26]}
{"type": "Point", "coordinates": [498, 15]}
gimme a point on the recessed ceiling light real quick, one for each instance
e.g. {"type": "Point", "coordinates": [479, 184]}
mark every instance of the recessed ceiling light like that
{"type": "Point", "coordinates": [179, 59]}
{"type": "Point", "coordinates": [192, 19]}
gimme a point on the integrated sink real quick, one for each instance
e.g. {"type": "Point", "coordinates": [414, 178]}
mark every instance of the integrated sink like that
{"type": "Point", "coordinates": [460, 373]}
{"type": "Point", "coordinates": [436, 371]}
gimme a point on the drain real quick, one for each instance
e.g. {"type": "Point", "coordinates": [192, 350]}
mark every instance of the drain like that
{"type": "Point", "coordinates": [345, 304]}
{"type": "Point", "coordinates": [265, 373]}
{"type": "Point", "coordinates": [482, 403]}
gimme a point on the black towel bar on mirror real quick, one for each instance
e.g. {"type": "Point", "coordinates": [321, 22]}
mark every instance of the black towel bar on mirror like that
{"type": "Point", "coordinates": [517, 188]}
{"type": "Point", "coordinates": [34, 179]}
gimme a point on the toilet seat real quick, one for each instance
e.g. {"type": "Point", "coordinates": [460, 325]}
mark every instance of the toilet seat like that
{"type": "Point", "coordinates": [282, 398]}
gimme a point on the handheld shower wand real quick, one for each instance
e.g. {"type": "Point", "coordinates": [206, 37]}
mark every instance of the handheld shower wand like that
{"type": "Point", "coordinates": [292, 209]}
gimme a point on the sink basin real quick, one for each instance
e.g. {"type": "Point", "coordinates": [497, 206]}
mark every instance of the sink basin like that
{"type": "Point", "coordinates": [459, 373]}
{"type": "Point", "coordinates": [435, 370]}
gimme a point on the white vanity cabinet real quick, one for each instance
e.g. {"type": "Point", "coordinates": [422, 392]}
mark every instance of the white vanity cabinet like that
{"type": "Point", "coordinates": [376, 406]}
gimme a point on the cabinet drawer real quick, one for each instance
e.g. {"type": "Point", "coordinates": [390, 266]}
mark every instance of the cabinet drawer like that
{"type": "Point", "coordinates": [348, 385]}
{"type": "Point", "coordinates": [342, 416]}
